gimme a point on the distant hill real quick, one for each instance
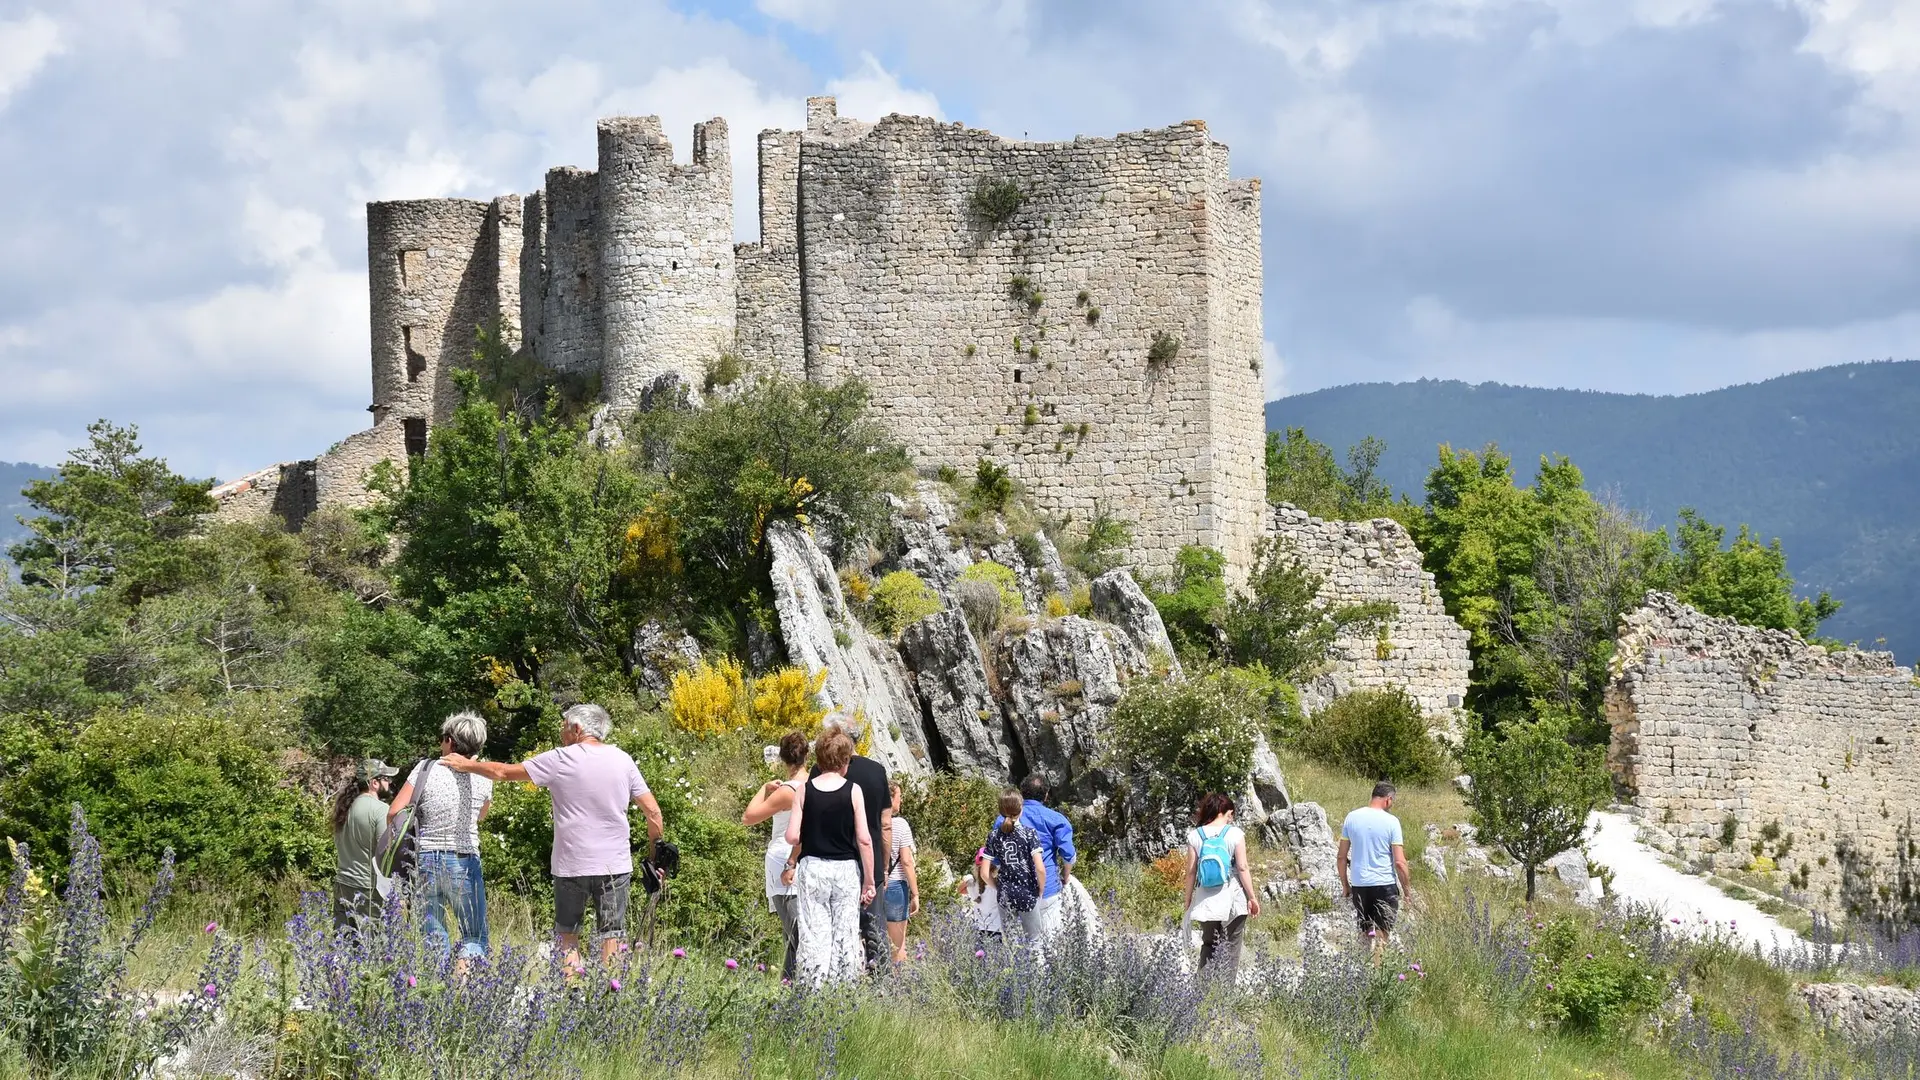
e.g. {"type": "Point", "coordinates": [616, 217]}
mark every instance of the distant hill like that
{"type": "Point", "coordinates": [14, 477]}
{"type": "Point", "coordinates": [1827, 460]}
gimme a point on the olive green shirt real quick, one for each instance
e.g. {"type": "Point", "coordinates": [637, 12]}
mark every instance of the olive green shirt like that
{"type": "Point", "coordinates": [353, 844]}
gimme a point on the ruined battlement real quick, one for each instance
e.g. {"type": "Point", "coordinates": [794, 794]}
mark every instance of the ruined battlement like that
{"type": "Point", "coordinates": [1744, 742]}
{"type": "Point", "coordinates": [1101, 339]}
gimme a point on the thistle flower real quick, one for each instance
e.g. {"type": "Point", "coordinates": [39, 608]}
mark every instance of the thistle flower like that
{"type": "Point", "coordinates": [679, 954]}
{"type": "Point", "coordinates": [211, 927]}
{"type": "Point", "coordinates": [732, 963]}
{"type": "Point", "coordinates": [613, 984]}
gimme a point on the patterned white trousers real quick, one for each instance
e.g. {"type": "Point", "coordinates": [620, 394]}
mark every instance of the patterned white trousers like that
{"type": "Point", "coordinates": [828, 898]}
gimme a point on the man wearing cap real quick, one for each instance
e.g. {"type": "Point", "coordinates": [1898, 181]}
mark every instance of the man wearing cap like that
{"type": "Point", "coordinates": [359, 817]}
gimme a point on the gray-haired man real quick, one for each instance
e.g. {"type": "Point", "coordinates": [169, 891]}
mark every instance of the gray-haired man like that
{"type": "Point", "coordinates": [593, 783]}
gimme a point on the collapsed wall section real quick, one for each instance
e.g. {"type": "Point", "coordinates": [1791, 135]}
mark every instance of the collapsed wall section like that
{"type": "Point", "coordinates": [432, 277]}
{"type": "Point", "coordinates": [1745, 743]}
{"type": "Point", "coordinates": [667, 294]}
{"type": "Point", "coordinates": [569, 337]}
{"type": "Point", "coordinates": [767, 316]}
{"type": "Point", "coordinates": [1030, 340]}
{"type": "Point", "coordinates": [1422, 650]}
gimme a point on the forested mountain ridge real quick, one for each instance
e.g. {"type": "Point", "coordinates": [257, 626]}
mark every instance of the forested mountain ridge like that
{"type": "Point", "coordinates": [1826, 460]}
{"type": "Point", "coordinates": [13, 477]}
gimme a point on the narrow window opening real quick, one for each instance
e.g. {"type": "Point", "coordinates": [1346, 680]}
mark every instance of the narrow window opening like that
{"type": "Point", "coordinates": [416, 432]}
{"type": "Point", "coordinates": [675, 264]}
{"type": "Point", "coordinates": [416, 359]}
{"type": "Point", "coordinates": [1016, 374]}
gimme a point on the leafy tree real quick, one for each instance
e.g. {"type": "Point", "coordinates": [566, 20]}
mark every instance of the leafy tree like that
{"type": "Point", "coordinates": [1745, 581]}
{"type": "Point", "coordinates": [1302, 471]}
{"type": "Point", "coordinates": [776, 449]}
{"type": "Point", "coordinates": [108, 521]}
{"type": "Point", "coordinates": [1278, 621]}
{"type": "Point", "coordinates": [1533, 789]}
{"type": "Point", "coordinates": [1190, 737]}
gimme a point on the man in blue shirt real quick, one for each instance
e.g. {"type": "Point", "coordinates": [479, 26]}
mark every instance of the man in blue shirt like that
{"type": "Point", "coordinates": [1056, 851]}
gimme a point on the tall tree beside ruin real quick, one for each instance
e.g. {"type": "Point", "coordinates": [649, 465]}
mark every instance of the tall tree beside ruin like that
{"type": "Point", "coordinates": [1532, 790]}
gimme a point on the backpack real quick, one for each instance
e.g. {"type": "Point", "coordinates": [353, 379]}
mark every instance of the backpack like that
{"type": "Point", "coordinates": [1216, 859]}
{"type": "Point", "coordinates": [397, 854]}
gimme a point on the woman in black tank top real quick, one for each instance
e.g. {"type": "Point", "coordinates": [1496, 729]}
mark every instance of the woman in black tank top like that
{"type": "Point", "coordinates": [834, 849]}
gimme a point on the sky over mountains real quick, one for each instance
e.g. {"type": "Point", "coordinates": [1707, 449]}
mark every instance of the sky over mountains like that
{"type": "Point", "coordinates": [1640, 195]}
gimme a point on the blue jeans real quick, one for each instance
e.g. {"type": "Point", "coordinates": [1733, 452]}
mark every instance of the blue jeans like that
{"type": "Point", "coordinates": [450, 881]}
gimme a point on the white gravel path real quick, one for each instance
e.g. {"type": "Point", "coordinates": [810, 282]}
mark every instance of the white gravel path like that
{"type": "Point", "coordinates": [1692, 904]}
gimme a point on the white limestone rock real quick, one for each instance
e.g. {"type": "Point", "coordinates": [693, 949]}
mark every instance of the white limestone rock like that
{"type": "Point", "coordinates": [1864, 1012]}
{"type": "Point", "coordinates": [659, 652]}
{"type": "Point", "coordinates": [1119, 599]}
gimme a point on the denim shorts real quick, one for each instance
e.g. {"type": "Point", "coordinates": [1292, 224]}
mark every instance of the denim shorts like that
{"type": "Point", "coordinates": [609, 895]}
{"type": "Point", "coordinates": [896, 901]}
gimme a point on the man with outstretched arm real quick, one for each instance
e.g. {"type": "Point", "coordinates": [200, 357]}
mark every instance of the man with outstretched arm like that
{"type": "Point", "coordinates": [1373, 865]}
{"type": "Point", "coordinates": [593, 783]}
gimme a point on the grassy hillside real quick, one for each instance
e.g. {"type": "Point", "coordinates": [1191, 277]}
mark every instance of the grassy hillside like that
{"type": "Point", "coordinates": [1827, 460]}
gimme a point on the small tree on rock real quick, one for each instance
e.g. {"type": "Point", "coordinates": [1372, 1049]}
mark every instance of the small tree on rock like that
{"type": "Point", "coordinates": [1532, 789]}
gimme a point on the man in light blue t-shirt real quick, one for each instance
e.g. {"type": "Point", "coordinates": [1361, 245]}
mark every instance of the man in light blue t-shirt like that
{"type": "Point", "coordinates": [1373, 864]}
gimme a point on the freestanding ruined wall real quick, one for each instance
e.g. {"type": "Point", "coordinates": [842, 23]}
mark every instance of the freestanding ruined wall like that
{"type": "Point", "coordinates": [1744, 742]}
{"type": "Point", "coordinates": [767, 315]}
{"type": "Point", "coordinates": [1422, 651]}
{"type": "Point", "coordinates": [1031, 341]}
{"type": "Point", "coordinates": [666, 255]}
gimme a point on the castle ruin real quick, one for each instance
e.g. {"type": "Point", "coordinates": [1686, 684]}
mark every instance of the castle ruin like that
{"type": "Point", "coordinates": [1747, 744]}
{"type": "Point", "coordinates": [1101, 338]}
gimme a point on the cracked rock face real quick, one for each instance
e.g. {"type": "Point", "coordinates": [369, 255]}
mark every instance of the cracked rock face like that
{"type": "Point", "coordinates": [1059, 681]}
{"type": "Point", "coordinates": [864, 675]}
{"type": "Point", "coordinates": [957, 705]}
{"type": "Point", "coordinates": [1863, 1012]}
{"type": "Point", "coordinates": [922, 543]}
{"type": "Point", "coordinates": [1304, 827]}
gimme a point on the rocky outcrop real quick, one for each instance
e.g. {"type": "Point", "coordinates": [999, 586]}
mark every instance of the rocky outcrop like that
{"type": "Point", "coordinates": [1304, 828]}
{"type": "Point", "coordinates": [1119, 599]}
{"type": "Point", "coordinates": [864, 675]}
{"type": "Point", "coordinates": [922, 544]}
{"type": "Point", "coordinates": [1059, 681]}
{"type": "Point", "coordinates": [1863, 1012]}
{"type": "Point", "coordinates": [1036, 566]}
{"type": "Point", "coordinates": [660, 652]}
{"type": "Point", "coordinates": [958, 713]}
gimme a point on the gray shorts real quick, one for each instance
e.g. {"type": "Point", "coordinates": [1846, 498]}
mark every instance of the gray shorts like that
{"type": "Point", "coordinates": [609, 895]}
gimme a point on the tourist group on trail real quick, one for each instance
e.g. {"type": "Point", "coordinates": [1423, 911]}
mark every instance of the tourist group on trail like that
{"type": "Point", "coordinates": [841, 874]}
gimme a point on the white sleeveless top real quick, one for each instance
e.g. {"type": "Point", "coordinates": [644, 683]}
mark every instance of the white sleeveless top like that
{"type": "Point", "coordinates": [777, 851]}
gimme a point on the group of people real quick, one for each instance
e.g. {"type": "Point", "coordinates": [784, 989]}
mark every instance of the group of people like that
{"type": "Point", "coordinates": [842, 909]}
{"type": "Point", "coordinates": [593, 785]}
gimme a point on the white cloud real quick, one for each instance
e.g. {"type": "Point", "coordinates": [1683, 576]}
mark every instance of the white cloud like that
{"type": "Point", "coordinates": [26, 44]}
{"type": "Point", "coordinates": [1273, 371]}
{"type": "Point", "coordinates": [871, 92]}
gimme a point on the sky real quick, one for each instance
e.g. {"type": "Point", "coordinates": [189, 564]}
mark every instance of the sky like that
{"type": "Point", "coordinates": [1660, 196]}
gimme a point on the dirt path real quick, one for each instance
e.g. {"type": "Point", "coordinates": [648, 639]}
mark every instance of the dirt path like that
{"type": "Point", "coordinates": [1691, 903]}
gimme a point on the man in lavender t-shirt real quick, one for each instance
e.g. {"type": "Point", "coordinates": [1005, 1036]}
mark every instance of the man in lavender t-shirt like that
{"type": "Point", "coordinates": [592, 783]}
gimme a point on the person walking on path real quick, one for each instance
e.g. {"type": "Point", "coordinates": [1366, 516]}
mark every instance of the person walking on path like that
{"type": "Point", "coordinates": [592, 783]}
{"type": "Point", "coordinates": [452, 804]}
{"type": "Point", "coordinates": [1016, 867]}
{"type": "Point", "coordinates": [359, 816]}
{"type": "Point", "coordinates": [1373, 865]}
{"type": "Point", "coordinates": [903, 881]}
{"type": "Point", "coordinates": [875, 791]}
{"type": "Point", "coordinates": [1057, 852]}
{"type": "Point", "coordinates": [774, 801]}
{"type": "Point", "coordinates": [983, 900]}
{"type": "Point", "coordinates": [835, 873]}
{"type": "Point", "coordinates": [1220, 895]}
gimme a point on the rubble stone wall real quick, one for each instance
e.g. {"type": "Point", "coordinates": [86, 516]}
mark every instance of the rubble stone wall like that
{"type": "Point", "coordinates": [1422, 651]}
{"type": "Point", "coordinates": [1722, 728]}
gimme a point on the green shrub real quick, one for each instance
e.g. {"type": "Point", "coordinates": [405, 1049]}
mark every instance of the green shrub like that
{"type": "Point", "coordinates": [993, 487]}
{"type": "Point", "coordinates": [1163, 349]}
{"type": "Point", "coordinates": [1002, 578]}
{"type": "Point", "coordinates": [900, 599]}
{"type": "Point", "coordinates": [1285, 719]}
{"type": "Point", "coordinates": [1191, 606]}
{"type": "Point", "coordinates": [996, 201]}
{"type": "Point", "coordinates": [1379, 734]}
{"type": "Point", "coordinates": [1188, 737]}
{"type": "Point", "coordinates": [207, 785]}
{"type": "Point", "coordinates": [950, 814]}
{"type": "Point", "coordinates": [1593, 982]}
{"type": "Point", "coordinates": [1105, 544]}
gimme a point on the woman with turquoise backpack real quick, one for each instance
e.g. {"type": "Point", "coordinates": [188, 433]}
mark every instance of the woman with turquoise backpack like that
{"type": "Point", "coordinates": [1220, 895]}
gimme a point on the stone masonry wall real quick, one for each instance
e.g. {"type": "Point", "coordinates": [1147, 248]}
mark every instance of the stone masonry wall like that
{"type": "Point", "coordinates": [426, 293]}
{"type": "Point", "coordinates": [570, 336]}
{"type": "Point", "coordinates": [1423, 651]}
{"type": "Point", "coordinates": [666, 254]}
{"type": "Point", "coordinates": [767, 313]}
{"type": "Point", "coordinates": [906, 287]}
{"type": "Point", "coordinates": [1714, 722]}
